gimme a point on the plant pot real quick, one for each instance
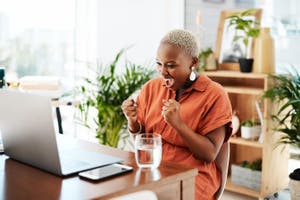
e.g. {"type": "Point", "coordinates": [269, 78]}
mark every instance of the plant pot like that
{"type": "Point", "coordinates": [252, 132]}
{"type": "Point", "coordinates": [211, 63]}
{"type": "Point", "coordinates": [295, 189]}
{"type": "Point", "coordinates": [246, 177]}
{"type": "Point", "coordinates": [295, 184]}
{"type": "Point", "coordinates": [246, 64]}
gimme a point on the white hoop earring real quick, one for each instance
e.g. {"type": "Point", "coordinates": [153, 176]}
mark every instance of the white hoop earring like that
{"type": "Point", "coordinates": [193, 74]}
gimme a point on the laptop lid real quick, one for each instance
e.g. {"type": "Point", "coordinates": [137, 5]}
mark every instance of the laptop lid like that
{"type": "Point", "coordinates": [28, 134]}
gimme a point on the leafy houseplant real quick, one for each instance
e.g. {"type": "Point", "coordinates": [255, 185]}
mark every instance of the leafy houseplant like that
{"type": "Point", "coordinates": [286, 92]}
{"type": "Point", "coordinates": [250, 123]}
{"type": "Point", "coordinates": [245, 29]}
{"type": "Point", "coordinates": [104, 94]}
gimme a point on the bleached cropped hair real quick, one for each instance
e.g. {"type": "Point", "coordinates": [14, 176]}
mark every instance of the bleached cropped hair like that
{"type": "Point", "coordinates": [183, 39]}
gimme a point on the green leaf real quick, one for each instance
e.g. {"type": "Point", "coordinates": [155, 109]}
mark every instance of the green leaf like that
{"type": "Point", "coordinates": [286, 93]}
{"type": "Point", "coordinates": [248, 27]}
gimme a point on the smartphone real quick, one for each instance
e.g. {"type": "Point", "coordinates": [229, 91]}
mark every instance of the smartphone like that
{"type": "Point", "coordinates": [105, 172]}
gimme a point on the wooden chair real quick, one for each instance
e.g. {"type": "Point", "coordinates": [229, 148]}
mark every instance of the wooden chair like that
{"type": "Point", "coordinates": [222, 162]}
{"type": "Point", "coordinates": [143, 194]}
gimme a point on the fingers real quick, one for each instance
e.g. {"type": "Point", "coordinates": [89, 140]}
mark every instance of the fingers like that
{"type": "Point", "coordinates": [169, 103]}
{"type": "Point", "coordinates": [169, 106]}
{"type": "Point", "coordinates": [128, 102]}
{"type": "Point", "coordinates": [129, 108]}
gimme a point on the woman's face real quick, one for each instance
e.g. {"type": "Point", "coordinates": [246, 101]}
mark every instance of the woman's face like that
{"type": "Point", "coordinates": [174, 65]}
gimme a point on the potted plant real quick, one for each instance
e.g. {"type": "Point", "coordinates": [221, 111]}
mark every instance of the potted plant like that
{"type": "Point", "coordinates": [286, 92]}
{"type": "Point", "coordinates": [102, 96]}
{"type": "Point", "coordinates": [247, 174]}
{"type": "Point", "coordinates": [250, 129]}
{"type": "Point", "coordinates": [245, 29]}
{"type": "Point", "coordinates": [207, 60]}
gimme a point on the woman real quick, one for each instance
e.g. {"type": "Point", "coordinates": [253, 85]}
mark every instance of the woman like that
{"type": "Point", "coordinates": [192, 113]}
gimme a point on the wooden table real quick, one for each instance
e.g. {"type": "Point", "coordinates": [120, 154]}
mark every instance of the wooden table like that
{"type": "Point", "coordinates": [21, 181]}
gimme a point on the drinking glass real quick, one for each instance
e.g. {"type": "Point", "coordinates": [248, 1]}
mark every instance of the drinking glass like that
{"type": "Point", "coordinates": [148, 150]}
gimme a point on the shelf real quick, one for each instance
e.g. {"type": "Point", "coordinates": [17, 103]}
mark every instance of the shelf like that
{"type": "Point", "coordinates": [64, 102]}
{"type": "Point", "coordinates": [234, 74]}
{"type": "Point", "coordinates": [240, 189]}
{"type": "Point", "coordinates": [241, 141]}
{"type": "Point", "coordinates": [243, 90]}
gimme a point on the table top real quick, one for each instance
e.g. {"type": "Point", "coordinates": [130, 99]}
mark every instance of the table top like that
{"type": "Point", "coordinates": [21, 181]}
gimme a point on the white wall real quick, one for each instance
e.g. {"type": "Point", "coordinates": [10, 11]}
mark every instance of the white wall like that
{"type": "Point", "coordinates": [104, 27]}
{"type": "Point", "coordinates": [140, 23]}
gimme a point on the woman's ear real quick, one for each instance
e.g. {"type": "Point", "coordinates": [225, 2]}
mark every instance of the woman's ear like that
{"type": "Point", "coordinates": [195, 63]}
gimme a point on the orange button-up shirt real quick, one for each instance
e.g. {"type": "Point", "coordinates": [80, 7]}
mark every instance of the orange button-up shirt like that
{"type": "Point", "coordinates": [204, 106]}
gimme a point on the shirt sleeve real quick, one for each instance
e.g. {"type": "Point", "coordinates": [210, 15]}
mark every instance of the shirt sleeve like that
{"type": "Point", "coordinates": [218, 112]}
{"type": "Point", "coordinates": [141, 101]}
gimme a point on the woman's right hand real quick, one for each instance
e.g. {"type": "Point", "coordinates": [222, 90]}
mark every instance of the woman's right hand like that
{"type": "Point", "coordinates": [130, 110]}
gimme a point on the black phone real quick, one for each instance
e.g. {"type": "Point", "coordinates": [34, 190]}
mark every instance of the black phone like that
{"type": "Point", "coordinates": [105, 172]}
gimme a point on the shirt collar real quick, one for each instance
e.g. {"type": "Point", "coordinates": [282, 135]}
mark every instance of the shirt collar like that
{"type": "Point", "coordinates": [200, 84]}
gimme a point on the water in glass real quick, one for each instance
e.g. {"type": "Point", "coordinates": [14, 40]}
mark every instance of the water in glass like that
{"type": "Point", "coordinates": [148, 150]}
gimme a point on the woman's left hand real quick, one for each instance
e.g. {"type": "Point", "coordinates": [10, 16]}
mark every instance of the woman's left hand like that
{"type": "Point", "coordinates": [170, 112]}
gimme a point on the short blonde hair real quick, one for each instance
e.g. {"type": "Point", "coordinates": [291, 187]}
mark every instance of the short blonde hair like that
{"type": "Point", "coordinates": [183, 39]}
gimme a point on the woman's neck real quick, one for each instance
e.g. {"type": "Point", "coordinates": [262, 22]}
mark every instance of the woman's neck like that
{"type": "Point", "coordinates": [186, 85]}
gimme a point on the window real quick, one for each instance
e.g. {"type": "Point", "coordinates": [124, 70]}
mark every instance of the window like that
{"type": "Point", "coordinates": [37, 37]}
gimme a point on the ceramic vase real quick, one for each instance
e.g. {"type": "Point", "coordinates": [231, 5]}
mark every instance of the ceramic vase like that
{"type": "Point", "coordinates": [250, 133]}
{"type": "Point", "coordinates": [264, 53]}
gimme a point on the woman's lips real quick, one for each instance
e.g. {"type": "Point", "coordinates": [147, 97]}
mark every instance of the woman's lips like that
{"type": "Point", "coordinates": [169, 82]}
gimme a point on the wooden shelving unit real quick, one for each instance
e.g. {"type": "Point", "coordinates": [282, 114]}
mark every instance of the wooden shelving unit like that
{"type": "Point", "coordinates": [234, 74]}
{"type": "Point", "coordinates": [244, 89]}
{"type": "Point", "coordinates": [241, 141]}
{"type": "Point", "coordinates": [240, 189]}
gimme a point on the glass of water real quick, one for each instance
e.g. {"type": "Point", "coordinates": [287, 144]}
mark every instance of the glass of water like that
{"type": "Point", "coordinates": [148, 150]}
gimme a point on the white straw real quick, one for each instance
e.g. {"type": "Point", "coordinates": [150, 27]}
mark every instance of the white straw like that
{"type": "Point", "coordinates": [261, 138]}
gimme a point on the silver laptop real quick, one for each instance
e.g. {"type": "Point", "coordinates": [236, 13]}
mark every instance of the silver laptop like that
{"type": "Point", "coordinates": [29, 136]}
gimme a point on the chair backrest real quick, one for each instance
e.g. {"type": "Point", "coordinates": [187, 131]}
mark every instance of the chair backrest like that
{"type": "Point", "coordinates": [222, 162]}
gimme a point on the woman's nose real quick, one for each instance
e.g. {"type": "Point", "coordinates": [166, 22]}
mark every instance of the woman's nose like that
{"type": "Point", "coordinates": [163, 71]}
